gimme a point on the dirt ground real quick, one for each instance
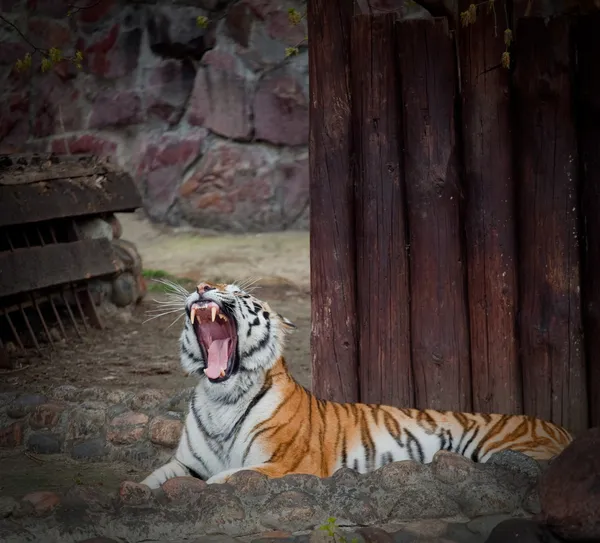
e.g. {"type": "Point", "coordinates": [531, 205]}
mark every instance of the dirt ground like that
{"type": "Point", "coordinates": [22, 474]}
{"type": "Point", "coordinates": [134, 353]}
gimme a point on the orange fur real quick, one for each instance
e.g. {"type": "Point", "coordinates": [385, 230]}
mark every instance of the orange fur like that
{"type": "Point", "coordinates": [307, 435]}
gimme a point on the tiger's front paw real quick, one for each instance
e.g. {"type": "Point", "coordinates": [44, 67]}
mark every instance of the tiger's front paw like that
{"type": "Point", "coordinates": [170, 470]}
{"type": "Point", "coordinates": [218, 479]}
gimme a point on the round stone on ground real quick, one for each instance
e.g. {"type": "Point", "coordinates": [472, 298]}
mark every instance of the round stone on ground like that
{"type": "Point", "coordinates": [570, 490]}
{"type": "Point", "coordinates": [452, 468]}
{"type": "Point", "coordinates": [127, 428]}
{"type": "Point", "coordinates": [132, 493]}
{"type": "Point", "coordinates": [24, 404]}
{"type": "Point", "coordinates": [42, 502]}
{"type": "Point", "coordinates": [124, 290]}
{"type": "Point", "coordinates": [183, 489]}
{"type": "Point", "coordinates": [165, 431]}
{"type": "Point", "coordinates": [45, 415]}
{"type": "Point", "coordinates": [44, 443]}
{"type": "Point", "coordinates": [249, 482]}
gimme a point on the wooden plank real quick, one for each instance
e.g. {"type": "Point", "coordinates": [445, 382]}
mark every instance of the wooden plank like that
{"type": "Point", "coordinates": [383, 308]}
{"type": "Point", "coordinates": [24, 270]}
{"type": "Point", "coordinates": [490, 218]}
{"type": "Point", "coordinates": [332, 252]}
{"type": "Point", "coordinates": [554, 376]}
{"type": "Point", "coordinates": [588, 100]}
{"type": "Point", "coordinates": [439, 324]}
{"type": "Point", "coordinates": [33, 169]}
{"type": "Point", "coordinates": [59, 198]}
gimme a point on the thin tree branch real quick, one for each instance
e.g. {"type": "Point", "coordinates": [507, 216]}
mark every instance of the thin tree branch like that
{"type": "Point", "coordinates": [73, 8]}
{"type": "Point", "coordinates": [23, 36]}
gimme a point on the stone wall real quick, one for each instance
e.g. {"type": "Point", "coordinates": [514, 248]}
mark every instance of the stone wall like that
{"type": "Point", "coordinates": [213, 123]}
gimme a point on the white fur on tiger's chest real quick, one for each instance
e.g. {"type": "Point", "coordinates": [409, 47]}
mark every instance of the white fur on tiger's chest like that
{"type": "Point", "coordinates": [217, 436]}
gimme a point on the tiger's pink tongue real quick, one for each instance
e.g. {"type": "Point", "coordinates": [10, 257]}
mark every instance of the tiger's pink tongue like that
{"type": "Point", "coordinates": [217, 358]}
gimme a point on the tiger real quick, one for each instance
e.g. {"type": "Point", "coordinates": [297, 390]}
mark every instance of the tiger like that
{"type": "Point", "coordinates": [247, 412]}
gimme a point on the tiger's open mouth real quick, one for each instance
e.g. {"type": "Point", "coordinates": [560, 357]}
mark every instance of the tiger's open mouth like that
{"type": "Point", "coordinates": [217, 336]}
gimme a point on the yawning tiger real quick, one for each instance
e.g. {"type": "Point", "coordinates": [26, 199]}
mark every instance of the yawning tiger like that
{"type": "Point", "coordinates": [247, 412]}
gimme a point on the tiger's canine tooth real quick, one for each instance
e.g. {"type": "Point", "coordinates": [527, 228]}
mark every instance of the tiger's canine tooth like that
{"type": "Point", "coordinates": [222, 374]}
{"type": "Point", "coordinates": [193, 314]}
{"type": "Point", "coordinates": [213, 313]}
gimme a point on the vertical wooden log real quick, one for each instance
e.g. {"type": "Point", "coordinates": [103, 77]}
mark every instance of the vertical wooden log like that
{"type": "Point", "coordinates": [332, 252]}
{"type": "Point", "coordinates": [490, 218]}
{"type": "Point", "coordinates": [439, 320]}
{"type": "Point", "coordinates": [554, 376]}
{"type": "Point", "coordinates": [382, 261]}
{"type": "Point", "coordinates": [588, 100]}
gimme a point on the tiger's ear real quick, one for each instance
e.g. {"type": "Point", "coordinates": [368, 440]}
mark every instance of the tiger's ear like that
{"type": "Point", "coordinates": [287, 324]}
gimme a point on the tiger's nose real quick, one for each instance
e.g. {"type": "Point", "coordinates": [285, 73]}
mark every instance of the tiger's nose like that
{"type": "Point", "coordinates": [204, 287]}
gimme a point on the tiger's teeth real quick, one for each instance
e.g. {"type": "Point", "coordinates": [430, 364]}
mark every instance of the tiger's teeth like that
{"type": "Point", "coordinates": [222, 374]}
{"type": "Point", "coordinates": [193, 314]}
{"type": "Point", "coordinates": [213, 313]}
{"type": "Point", "coordinates": [205, 371]}
{"type": "Point", "coordinates": [223, 317]}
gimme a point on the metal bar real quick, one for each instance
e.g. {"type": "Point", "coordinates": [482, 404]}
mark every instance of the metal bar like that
{"type": "Point", "coordinates": [40, 236]}
{"type": "Point", "coordinates": [90, 308]}
{"type": "Point", "coordinates": [13, 329]}
{"type": "Point", "coordinates": [57, 315]}
{"type": "Point", "coordinates": [31, 332]}
{"type": "Point", "coordinates": [12, 247]}
{"type": "Point", "coordinates": [41, 317]}
{"type": "Point", "coordinates": [52, 234]}
{"type": "Point", "coordinates": [79, 308]}
{"type": "Point", "coordinates": [73, 321]}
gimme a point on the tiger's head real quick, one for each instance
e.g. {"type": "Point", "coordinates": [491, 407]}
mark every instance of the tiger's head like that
{"type": "Point", "coordinates": [228, 331]}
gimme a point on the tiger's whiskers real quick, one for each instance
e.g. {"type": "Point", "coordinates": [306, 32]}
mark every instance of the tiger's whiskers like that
{"type": "Point", "coordinates": [174, 303]}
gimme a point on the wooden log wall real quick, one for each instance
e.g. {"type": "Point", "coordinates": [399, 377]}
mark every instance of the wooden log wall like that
{"type": "Point", "coordinates": [439, 324]}
{"type": "Point", "coordinates": [382, 259]}
{"type": "Point", "coordinates": [554, 376]}
{"type": "Point", "coordinates": [489, 218]}
{"type": "Point", "coordinates": [450, 241]}
{"type": "Point", "coordinates": [333, 263]}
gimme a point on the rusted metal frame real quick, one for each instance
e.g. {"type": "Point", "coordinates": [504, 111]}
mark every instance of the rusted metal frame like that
{"type": "Point", "coordinates": [13, 329]}
{"type": "Point", "coordinates": [90, 308]}
{"type": "Point", "coordinates": [29, 328]}
{"type": "Point", "coordinates": [35, 304]}
{"type": "Point", "coordinates": [73, 321]}
{"type": "Point", "coordinates": [56, 314]}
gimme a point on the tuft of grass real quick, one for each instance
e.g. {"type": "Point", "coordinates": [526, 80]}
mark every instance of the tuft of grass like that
{"type": "Point", "coordinates": [153, 286]}
{"type": "Point", "coordinates": [331, 529]}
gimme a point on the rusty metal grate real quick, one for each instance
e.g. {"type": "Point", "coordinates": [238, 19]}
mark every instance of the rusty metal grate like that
{"type": "Point", "coordinates": [27, 318]}
{"type": "Point", "coordinates": [45, 262]}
